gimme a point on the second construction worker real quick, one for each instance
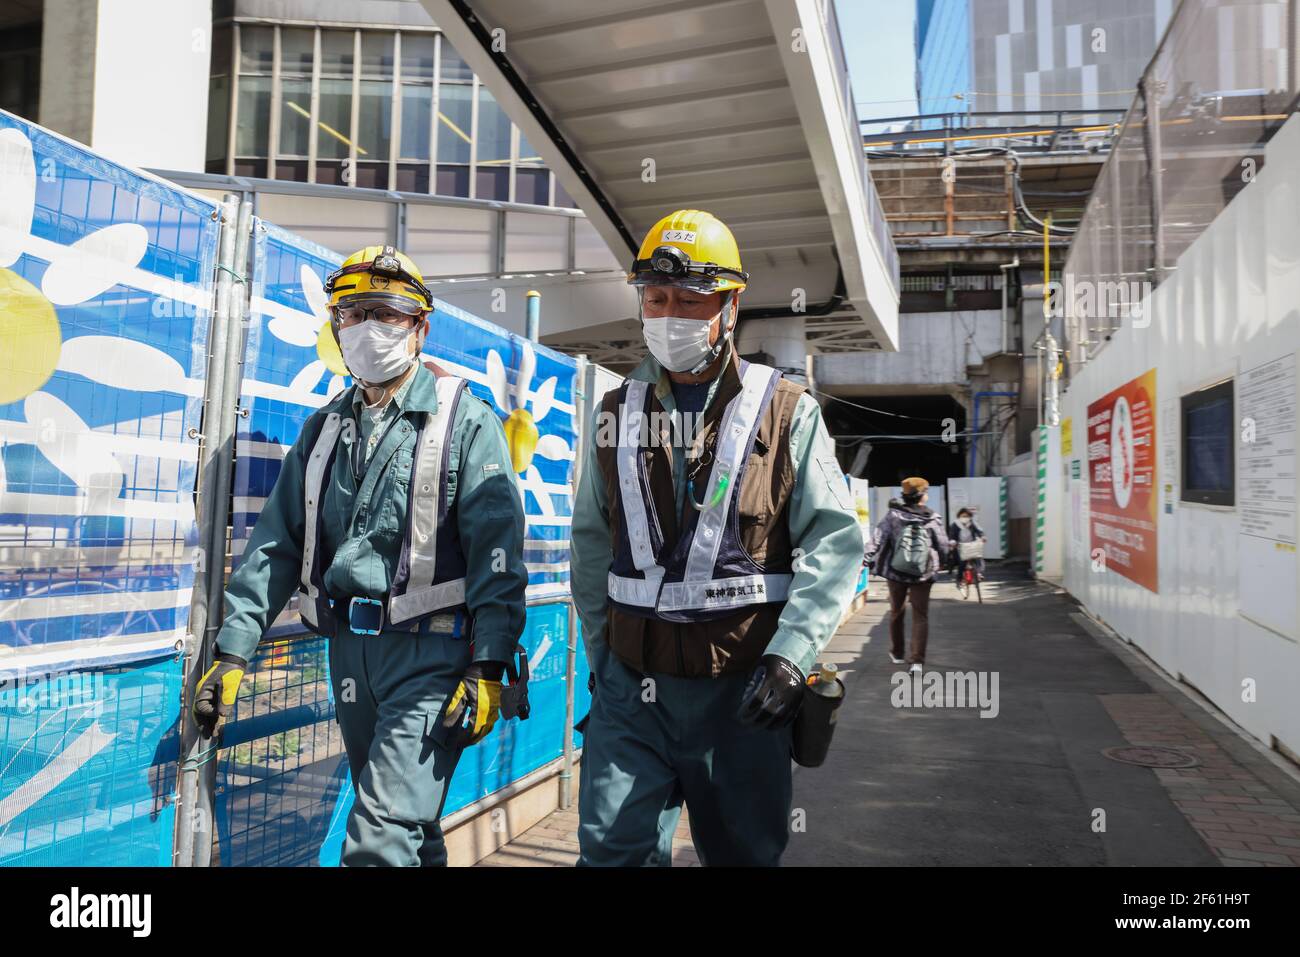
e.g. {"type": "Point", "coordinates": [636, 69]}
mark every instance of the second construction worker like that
{"type": "Point", "coordinates": [714, 549]}
{"type": "Point", "coordinates": [397, 519]}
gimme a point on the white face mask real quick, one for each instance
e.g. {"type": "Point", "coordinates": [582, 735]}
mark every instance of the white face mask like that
{"type": "Point", "coordinates": [963, 521]}
{"type": "Point", "coordinates": [682, 345]}
{"type": "Point", "coordinates": [374, 351]}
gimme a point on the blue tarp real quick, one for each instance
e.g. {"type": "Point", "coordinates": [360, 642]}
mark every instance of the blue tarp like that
{"type": "Point", "coordinates": [106, 278]}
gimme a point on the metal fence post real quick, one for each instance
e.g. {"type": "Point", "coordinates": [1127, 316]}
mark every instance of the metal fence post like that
{"type": "Point", "coordinates": [197, 773]}
{"type": "Point", "coordinates": [571, 657]}
{"type": "Point", "coordinates": [193, 827]}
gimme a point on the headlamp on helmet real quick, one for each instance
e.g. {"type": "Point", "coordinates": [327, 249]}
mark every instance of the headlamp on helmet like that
{"type": "Point", "coordinates": [374, 277]}
{"type": "Point", "coordinates": [670, 266]}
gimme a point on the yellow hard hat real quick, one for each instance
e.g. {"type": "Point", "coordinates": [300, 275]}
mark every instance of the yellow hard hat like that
{"type": "Point", "coordinates": [379, 275]}
{"type": "Point", "coordinates": [689, 248]}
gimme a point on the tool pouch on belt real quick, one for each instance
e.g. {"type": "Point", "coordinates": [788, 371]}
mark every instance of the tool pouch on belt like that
{"type": "Point", "coordinates": [514, 697]}
{"type": "Point", "coordinates": [814, 726]}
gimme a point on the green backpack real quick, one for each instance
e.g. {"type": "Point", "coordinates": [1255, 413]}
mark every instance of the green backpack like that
{"type": "Point", "coordinates": [912, 551]}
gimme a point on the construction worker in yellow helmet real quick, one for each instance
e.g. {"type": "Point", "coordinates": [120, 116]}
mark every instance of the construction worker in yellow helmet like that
{"type": "Point", "coordinates": [711, 562]}
{"type": "Point", "coordinates": [397, 520]}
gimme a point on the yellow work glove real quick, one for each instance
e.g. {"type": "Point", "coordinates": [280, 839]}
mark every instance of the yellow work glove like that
{"type": "Point", "coordinates": [215, 696]}
{"type": "Point", "coordinates": [475, 705]}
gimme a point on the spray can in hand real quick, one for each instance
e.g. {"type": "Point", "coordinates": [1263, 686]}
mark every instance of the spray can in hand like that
{"type": "Point", "coordinates": [815, 724]}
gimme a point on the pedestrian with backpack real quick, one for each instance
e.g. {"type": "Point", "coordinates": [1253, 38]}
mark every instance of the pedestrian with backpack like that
{"type": "Point", "coordinates": [909, 544]}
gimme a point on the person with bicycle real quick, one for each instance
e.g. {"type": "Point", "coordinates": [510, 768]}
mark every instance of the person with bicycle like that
{"type": "Point", "coordinates": [910, 545]}
{"type": "Point", "coordinates": [965, 531]}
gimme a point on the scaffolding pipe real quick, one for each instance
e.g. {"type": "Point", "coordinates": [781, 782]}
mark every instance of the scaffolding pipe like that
{"type": "Point", "coordinates": [193, 839]}
{"type": "Point", "coordinates": [1006, 337]}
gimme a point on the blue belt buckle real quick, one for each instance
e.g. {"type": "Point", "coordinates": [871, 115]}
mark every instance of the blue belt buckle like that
{"type": "Point", "coordinates": [366, 616]}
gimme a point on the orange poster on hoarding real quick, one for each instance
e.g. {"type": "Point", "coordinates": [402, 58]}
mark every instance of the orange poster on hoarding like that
{"type": "Point", "coordinates": [1122, 479]}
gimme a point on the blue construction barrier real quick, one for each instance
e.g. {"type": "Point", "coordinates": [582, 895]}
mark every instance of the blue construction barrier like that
{"type": "Point", "coordinates": [106, 280]}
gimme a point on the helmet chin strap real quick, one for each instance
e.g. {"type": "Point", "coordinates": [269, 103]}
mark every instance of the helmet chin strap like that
{"type": "Point", "coordinates": [724, 333]}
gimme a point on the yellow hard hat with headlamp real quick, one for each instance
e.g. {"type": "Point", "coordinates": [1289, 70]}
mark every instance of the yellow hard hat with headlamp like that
{"type": "Point", "coordinates": [379, 275]}
{"type": "Point", "coordinates": [690, 248]}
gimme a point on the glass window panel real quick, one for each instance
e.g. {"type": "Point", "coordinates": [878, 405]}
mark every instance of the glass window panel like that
{"type": "Point", "coordinates": [527, 155]}
{"type": "Point", "coordinates": [452, 181]}
{"type": "Point", "coordinates": [413, 178]}
{"type": "Point", "coordinates": [291, 169]}
{"type": "Point", "coordinates": [453, 67]}
{"type": "Point", "coordinates": [295, 116]}
{"type": "Point", "coordinates": [255, 168]}
{"type": "Point", "coordinates": [256, 49]}
{"type": "Point", "coordinates": [417, 56]}
{"type": "Point", "coordinates": [335, 118]}
{"type": "Point", "coordinates": [375, 120]}
{"type": "Point", "coordinates": [330, 172]}
{"type": "Point", "coordinates": [295, 50]}
{"type": "Point", "coordinates": [376, 54]}
{"type": "Point", "coordinates": [218, 117]}
{"type": "Point", "coordinates": [416, 105]}
{"type": "Point", "coordinates": [254, 116]}
{"type": "Point", "coordinates": [221, 49]}
{"type": "Point", "coordinates": [371, 175]}
{"type": "Point", "coordinates": [336, 53]}
{"type": "Point", "coordinates": [492, 182]}
{"type": "Point", "coordinates": [533, 185]}
{"type": "Point", "coordinates": [454, 124]}
{"type": "Point", "coordinates": [493, 130]}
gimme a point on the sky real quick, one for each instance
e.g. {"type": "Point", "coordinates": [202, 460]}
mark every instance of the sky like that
{"type": "Point", "coordinates": [881, 52]}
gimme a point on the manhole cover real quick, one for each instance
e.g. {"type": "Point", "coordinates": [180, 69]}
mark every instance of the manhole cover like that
{"type": "Point", "coordinates": [1152, 757]}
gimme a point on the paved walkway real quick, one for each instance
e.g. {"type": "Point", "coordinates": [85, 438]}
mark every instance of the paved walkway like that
{"type": "Point", "coordinates": [918, 785]}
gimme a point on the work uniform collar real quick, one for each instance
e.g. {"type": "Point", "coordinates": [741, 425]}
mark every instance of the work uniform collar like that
{"type": "Point", "coordinates": [727, 382]}
{"type": "Point", "coordinates": [419, 393]}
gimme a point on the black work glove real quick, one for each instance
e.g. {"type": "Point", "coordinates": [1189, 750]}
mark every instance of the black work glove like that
{"type": "Point", "coordinates": [475, 705]}
{"type": "Point", "coordinates": [773, 695]}
{"type": "Point", "coordinates": [215, 696]}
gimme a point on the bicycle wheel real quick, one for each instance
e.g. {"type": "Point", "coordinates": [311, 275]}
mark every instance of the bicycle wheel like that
{"type": "Point", "coordinates": [978, 594]}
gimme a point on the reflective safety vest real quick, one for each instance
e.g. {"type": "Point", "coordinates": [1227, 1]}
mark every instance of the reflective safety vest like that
{"type": "Point", "coordinates": [430, 575]}
{"type": "Point", "coordinates": [707, 574]}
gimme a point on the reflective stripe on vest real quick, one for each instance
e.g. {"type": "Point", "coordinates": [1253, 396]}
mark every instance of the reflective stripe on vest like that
{"type": "Point", "coordinates": [631, 423]}
{"type": "Point", "coordinates": [704, 586]}
{"type": "Point", "coordinates": [425, 497]}
{"type": "Point", "coordinates": [428, 595]}
{"type": "Point", "coordinates": [314, 483]}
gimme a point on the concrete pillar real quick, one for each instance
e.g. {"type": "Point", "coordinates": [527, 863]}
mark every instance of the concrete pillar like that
{"type": "Point", "coordinates": [129, 78]}
{"type": "Point", "coordinates": [783, 339]}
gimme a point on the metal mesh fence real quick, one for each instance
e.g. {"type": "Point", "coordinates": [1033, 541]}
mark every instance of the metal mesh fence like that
{"type": "Point", "coordinates": [283, 766]}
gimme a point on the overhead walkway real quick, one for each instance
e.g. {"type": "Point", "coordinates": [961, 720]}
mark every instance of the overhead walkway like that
{"type": "Point", "coordinates": [740, 107]}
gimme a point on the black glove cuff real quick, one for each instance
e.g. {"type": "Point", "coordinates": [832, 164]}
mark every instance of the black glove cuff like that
{"type": "Point", "coordinates": [491, 670]}
{"type": "Point", "coordinates": [786, 668]}
{"type": "Point", "coordinates": [231, 660]}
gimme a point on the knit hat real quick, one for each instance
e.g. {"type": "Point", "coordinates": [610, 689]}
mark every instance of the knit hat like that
{"type": "Point", "coordinates": [914, 485]}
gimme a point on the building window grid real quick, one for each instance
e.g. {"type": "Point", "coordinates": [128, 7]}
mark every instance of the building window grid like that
{"type": "Point", "coordinates": [270, 156]}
